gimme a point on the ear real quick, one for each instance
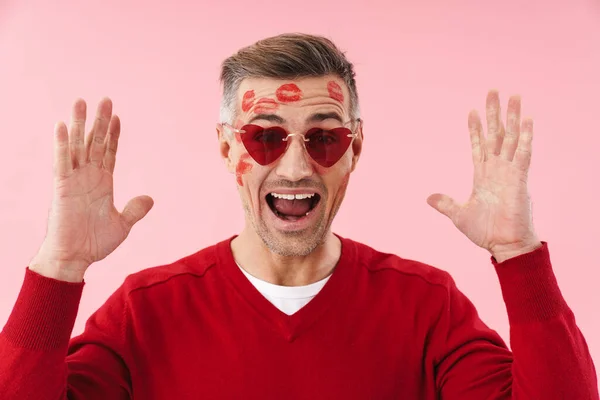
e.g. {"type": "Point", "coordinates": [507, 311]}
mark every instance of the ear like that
{"type": "Point", "coordinates": [225, 147]}
{"type": "Point", "coordinates": [357, 144]}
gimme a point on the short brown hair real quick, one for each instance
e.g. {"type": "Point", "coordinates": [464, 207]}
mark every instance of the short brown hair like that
{"type": "Point", "coordinates": [286, 56]}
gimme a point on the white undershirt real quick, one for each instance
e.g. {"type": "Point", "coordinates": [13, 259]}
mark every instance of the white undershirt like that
{"type": "Point", "coordinates": [288, 299]}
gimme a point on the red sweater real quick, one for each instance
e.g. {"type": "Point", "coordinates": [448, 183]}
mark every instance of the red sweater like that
{"type": "Point", "coordinates": [383, 327]}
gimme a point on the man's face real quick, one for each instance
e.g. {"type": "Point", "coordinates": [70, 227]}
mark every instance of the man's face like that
{"type": "Point", "coordinates": [291, 201]}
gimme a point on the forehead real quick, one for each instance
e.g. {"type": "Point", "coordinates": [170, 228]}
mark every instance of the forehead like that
{"type": "Point", "coordinates": [258, 95]}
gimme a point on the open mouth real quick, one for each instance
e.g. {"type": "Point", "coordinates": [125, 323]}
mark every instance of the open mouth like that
{"type": "Point", "coordinates": [292, 207]}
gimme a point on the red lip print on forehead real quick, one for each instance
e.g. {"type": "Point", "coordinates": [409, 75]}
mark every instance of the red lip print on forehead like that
{"type": "Point", "coordinates": [266, 106]}
{"type": "Point", "coordinates": [248, 100]}
{"type": "Point", "coordinates": [335, 91]}
{"type": "Point", "coordinates": [288, 93]}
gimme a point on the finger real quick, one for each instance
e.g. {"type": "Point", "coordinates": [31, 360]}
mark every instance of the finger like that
{"type": "Point", "coordinates": [97, 135]}
{"type": "Point", "coordinates": [494, 132]}
{"type": "Point", "coordinates": [477, 140]}
{"type": "Point", "coordinates": [62, 158]}
{"type": "Point", "coordinates": [112, 142]}
{"type": "Point", "coordinates": [522, 158]}
{"type": "Point", "coordinates": [445, 205]}
{"type": "Point", "coordinates": [77, 132]}
{"type": "Point", "coordinates": [513, 120]}
{"type": "Point", "coordinates": [136, 209]}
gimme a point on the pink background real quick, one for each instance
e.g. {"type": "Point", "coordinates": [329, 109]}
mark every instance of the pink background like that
{"type": "Point", "coordinates": [421, 68]}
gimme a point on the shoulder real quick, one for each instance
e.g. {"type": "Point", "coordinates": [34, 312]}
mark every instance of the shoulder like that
{"type": "Point", "coordinates": [195, 265]}
{"type": "Point", "coordinates": [394, 267]}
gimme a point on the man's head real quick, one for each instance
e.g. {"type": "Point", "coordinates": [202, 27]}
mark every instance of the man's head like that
{"type": "Point", "coordinates": [291, 186]}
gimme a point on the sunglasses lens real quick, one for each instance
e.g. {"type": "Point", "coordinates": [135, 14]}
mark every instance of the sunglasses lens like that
{"type": "Point", "coordinates": [264, 145]}
{"type": "Point", "coordinates": [327, 146]}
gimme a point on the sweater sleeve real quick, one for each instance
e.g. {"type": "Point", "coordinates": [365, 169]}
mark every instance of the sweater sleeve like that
{"type": "Point", "coordinates": [38, 360]}
{"type": "Point", "coordinates": [549, 359]}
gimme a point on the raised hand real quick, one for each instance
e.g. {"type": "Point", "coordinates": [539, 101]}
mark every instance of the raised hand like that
{"type": "Point", "coordinates": [497, 216]}
{"type": "Point", "coordinates": [83, 224]}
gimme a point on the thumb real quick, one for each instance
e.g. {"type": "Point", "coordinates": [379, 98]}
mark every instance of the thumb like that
{"type": "Point", "coordinates": [444, 204]}
{"type": "Point", "coordinates": [136, 209]}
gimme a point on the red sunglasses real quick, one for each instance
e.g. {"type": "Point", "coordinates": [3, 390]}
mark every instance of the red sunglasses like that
{"type": "Point", "coordinates": [325, 146]}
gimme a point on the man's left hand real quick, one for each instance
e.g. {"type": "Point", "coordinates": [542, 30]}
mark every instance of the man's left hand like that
{"type": "Point", "coordinates": [497, 216]}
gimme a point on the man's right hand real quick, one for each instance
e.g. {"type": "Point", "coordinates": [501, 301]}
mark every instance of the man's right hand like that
{"type": "Point", "coordinates": [83, 224]}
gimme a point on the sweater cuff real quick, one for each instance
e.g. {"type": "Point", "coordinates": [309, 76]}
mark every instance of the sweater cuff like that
{"type": "Point", "coordinates": [529, 287]}
{"type": "Point", "coordinates": [44, 314]}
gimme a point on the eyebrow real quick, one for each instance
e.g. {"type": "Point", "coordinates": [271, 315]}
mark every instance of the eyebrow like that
{"type": "Point", "coordinates": [317, 117]}
{"type": "Point", "coordinates": [267, 117]}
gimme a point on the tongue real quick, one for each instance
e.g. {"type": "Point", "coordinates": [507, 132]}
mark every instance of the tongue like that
{"type": "Point", "coordinates": [295, 208]}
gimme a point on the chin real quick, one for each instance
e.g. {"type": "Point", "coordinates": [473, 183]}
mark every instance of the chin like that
{"type": "Point", "coordinates": [292, 242]}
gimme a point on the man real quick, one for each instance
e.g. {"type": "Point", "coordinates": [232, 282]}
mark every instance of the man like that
{"type": "Point", "coordinates": [287, 309]}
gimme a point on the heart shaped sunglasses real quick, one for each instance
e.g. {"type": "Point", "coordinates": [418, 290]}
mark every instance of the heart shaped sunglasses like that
{"type": "Point", "coordinates": [326, 146]}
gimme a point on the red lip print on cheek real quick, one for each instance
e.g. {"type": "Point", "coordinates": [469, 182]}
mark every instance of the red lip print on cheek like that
{"type": "Point", "coordinates": [335, 91]}
{"type": "Point", "coordinates": [242, 168]}
{"type": "Point", "coordinates": [248, 100]}
{"type": "Point", "coordinates": [288, 93]}
{"type": "Point", "coordinates": [266, 106]}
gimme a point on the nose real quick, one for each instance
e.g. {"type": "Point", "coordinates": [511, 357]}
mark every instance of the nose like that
{"type": "Point", "coordinates": [295, 164]}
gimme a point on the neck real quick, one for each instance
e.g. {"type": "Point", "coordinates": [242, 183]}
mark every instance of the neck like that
{"type": "Point", "coordinates": [254, 257]}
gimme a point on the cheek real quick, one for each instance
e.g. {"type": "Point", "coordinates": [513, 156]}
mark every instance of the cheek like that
{"type": "Point", "coordinates": [342, 185]}
{"type": "Point", "coordinates": [336, 180]}
{"type": "Point", "coordinates": [345, 163]}
{"type": "Point", "coordinates": [243, 167]}
{"type": "Point", "coordinates": [345, 182]}
{"type": "Point", "coordinates": [341, 191]}
{"type": "Point", "coordinates": [321, 170]}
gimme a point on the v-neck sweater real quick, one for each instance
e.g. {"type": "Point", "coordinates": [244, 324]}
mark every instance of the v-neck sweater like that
{"type": "Point", "coordinates": [288, 299]}
{"type": "Point", "coordinates": [382, 327]}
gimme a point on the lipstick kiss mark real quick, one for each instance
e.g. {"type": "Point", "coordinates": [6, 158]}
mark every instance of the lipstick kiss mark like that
{"type": "Point", "coordinates": [335, 91]}
{"type": "Point", "coordinates": [266, 106]}
{"type": "Point", "coordinates": [242, 168]}
{"type": "Point", "coordinates": [288, 93]}
{"type": "Point", "coordinates": [248, 100]}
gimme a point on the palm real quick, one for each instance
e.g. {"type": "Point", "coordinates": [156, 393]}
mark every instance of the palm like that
{"type": "Point", "coordinates": [84, 226]}
{"type": "Point", "coordinates": [497, 215]}
{"type": "Point", "coordinates": [494, 215]}
{"type": "Point", "coordinates": [91, 227]}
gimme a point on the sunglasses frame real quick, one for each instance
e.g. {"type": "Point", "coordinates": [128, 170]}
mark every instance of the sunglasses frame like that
{"type": "Point", "coordinates": [353, 133]}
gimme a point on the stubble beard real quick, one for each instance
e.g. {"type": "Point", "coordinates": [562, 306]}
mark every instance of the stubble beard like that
{"type": "Point", "coordinates": [291, 244]}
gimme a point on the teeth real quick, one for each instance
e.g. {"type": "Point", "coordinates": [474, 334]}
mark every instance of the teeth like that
{"type": "Point", "coordinates": [299, 196]}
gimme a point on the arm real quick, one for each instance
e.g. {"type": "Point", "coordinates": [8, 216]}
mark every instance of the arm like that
{"type": "Point", "coordinates": [550, 358]}
{"type": "Point", "coordinates": [35, 341]}
{"type": "Point", "coordinates": [83, 227]}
